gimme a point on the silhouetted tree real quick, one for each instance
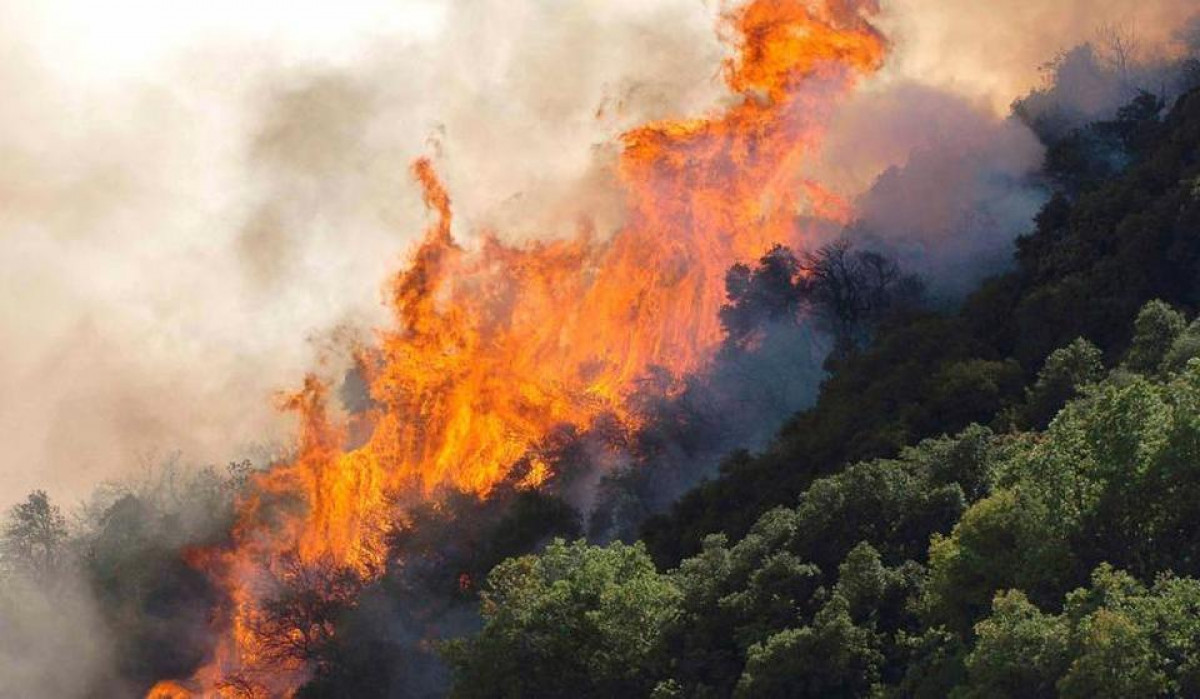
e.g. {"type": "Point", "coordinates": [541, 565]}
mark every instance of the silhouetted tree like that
{"type": "Point", "coordinates": [765, 293]}
{"type": "Point", "coordinates": [34, 538]}
{"type": "Point", "coordinates": [297, 622]}
{"type": "Point", "coordinates": [845, 290]}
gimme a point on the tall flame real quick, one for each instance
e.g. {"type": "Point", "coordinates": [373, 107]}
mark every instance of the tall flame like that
{"type": "Point", "coordinates": [494, 347]}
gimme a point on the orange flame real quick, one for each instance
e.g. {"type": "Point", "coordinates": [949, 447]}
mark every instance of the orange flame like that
{"type": "Point", "coordinates": [492, 348]}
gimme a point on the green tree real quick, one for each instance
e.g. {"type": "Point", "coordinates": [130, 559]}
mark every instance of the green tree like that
{"type": "Point", "coordinates": [1114, 638]}
{"type": "Point", "coordinates": [1155, 330]}
{"type": "Point", "coordinates": [1019, 651]}
{"type": "Point", "coordinates": [831, 658]}
{"type": "Point", "coordinates": [894, 504]}
{"type": "Point", "coordinates": [733, 597]}
{"type": "Point", "coordinates": [1130, 641]}
{"type": "Point", "coordinates": [1116, 660]}
{"type": "Point", "coordinates": [1185, 348]}
{"type": "Point", "coordinates": [155, 605]}
{"type": "Point", "coordinates": [574, 621]}
{"type": "Point", "coordinates": [1007, 540]}
{"type": "Point", "coordinates": [1066, 371]}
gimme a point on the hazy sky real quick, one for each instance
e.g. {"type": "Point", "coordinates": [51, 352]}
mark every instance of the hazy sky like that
{"type": "Point", "coordinates": [196, 196]}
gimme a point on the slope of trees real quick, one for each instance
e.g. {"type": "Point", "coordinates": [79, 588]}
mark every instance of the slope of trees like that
{"type": "Point", "coordinates": [1047, 549]}
{"type": "Point", "coordinates": [1055, 562]}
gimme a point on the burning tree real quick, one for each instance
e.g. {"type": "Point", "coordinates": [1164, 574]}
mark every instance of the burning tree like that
{"type": "Point", "coordinates": [295, 622]}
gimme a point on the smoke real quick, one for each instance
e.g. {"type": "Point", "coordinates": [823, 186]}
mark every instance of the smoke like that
{"type": "Point", "coordinates": [943, 174]}
{"type": "Point", "coordinates": [738, 403]}
{"type": "Point", "coordinates": [955, 184]}
{"type": "Point", "coordinates": [120, 321]}
{"type": "Point", "coordinates": [995, 52]}
{"type": "Point", "coordinates": [45, 629]}
{"type": "Point", "coordinates": [176, 223]}
{"type": "Point", "coordinates": [108, 590]}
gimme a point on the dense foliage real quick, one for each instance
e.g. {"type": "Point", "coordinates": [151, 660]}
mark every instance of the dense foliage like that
{"type": "Point", "coordinates": [1041, 563]}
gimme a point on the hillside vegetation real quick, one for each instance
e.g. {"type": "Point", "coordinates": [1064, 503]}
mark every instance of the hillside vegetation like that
{"type": "Point", "coordinates": [995, 501]}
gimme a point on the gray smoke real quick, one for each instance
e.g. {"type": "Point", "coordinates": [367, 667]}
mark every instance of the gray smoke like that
{"type": "Point", "coordinates": [966, 188]}
{"type": "Point", "coordinates": [53, 641]}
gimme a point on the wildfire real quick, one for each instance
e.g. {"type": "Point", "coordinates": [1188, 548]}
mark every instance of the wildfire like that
{"type": "Point", "coordinates": [492, 348]}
